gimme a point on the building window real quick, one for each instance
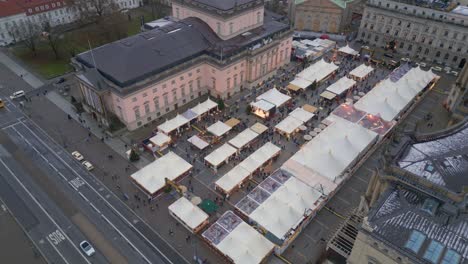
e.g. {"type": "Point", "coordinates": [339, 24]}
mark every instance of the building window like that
{"type": "Point", "coordinates": [455, 59]}
{"type": "Point", "coordinates": [198, 70]}
{"type": "Point", "coordinates": [446, 56]}
{"type": "Point", "coordinates": [446, 33]}
{"type": "Point", "coordinates": [155, 90]}
{"type": "Point", "coordinates": [235, 80]}
{"type": "Point", "coordinates": [231, 28]}
{"type": "Point", "coordinates": [164, 86]}
{"type": "Point", "coordinates": [177, 12]}
{"type": "Point", "coordinates": [258, 17]}
{"type": "Point", "coordinates": [166, 99]}
{"type": "Point", "coordinates": [410, 47]}
{"type": "Point", "coordinates": [198, 83]}
{"type": "Point", "coordinates": [173, 82]}
{"type": "Point", "coordinates": [228, 83]}
{"type": "Point", "coordinates": [174, 94]}
{"type": "Point", "coordinates": [241, 77]}
{"type": "Point", "coordinates": [213, 83]}
{"type": "Point", "coordinates": [438, 54]}
{"type": "Point", "coordinates": [426, 52]}
{"type": "Point", "coordinates": [190, 74]}
{"type": "Point", "coordinates": [145, 94]}
{"type": "Point", "coordinates": [136, 110]}
{"type": "Point", "coordinates": [134, 99]}
{"type": "Point", "coordinates": [182, 90]}
{"type": "Point", "coordinates": [181, 78]}
{"type": "Point", "coordinates": [156, 102]}
{"type": "Point", "coordinates": [190, 87]}
{"type": "Point", "coordinates": [218, 28]}
{"type": "Point", "coordinates": [147, 107]}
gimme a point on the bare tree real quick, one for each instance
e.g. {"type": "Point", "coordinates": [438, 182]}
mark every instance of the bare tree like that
{"type": "Point", "coordinates": [28, 32]}
{"type": "Point", "coordinates": [95, 8]}
{"type": "Point", "coordinates": [53, 39]}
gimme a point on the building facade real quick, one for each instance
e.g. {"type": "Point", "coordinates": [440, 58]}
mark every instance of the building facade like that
{"type": "Point", "coordinates": [418, 32]}
{"type": "Point", "coordinates": [17, 15]}
{"type": "Point", "coordinates": [160, 70]}
{"type": "Point", "coordinates": [457, 99]}
{"type": "Point", "coordinates": [331, 16]}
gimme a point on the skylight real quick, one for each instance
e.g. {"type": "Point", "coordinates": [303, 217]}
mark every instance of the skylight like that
{"type": "Point", "coordinates": [415, 241]}
{"type": "Point", "coordinates": [433, 251]}
{"type": "Point", "coordinates": [451, 257]}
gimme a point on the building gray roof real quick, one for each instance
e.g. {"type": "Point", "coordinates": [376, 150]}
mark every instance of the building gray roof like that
{"type": "Point", "coordinates": [443, 160]}
{"type": "Point", "coordinates": [401, 211]}
{"type": "Point", "coordinates": [224, 5]}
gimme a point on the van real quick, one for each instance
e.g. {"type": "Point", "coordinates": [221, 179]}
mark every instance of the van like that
{"type": "Point", "coordinates": [17, 94]}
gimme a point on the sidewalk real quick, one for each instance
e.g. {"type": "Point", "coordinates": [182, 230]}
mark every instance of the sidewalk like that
{"type": "Point", "coordinates": [27, 76]}
{"type": "Point", "coordinates": [117, 144]}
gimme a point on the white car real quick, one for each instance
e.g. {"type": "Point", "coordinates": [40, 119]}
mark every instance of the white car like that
{"type": "Point", "coordinates": [455, 73]}
{"type": "Point", "coordinates": [88, 165]}
{"type": "Point", "coordinates": [447, 69]}
{"type": "Point", "coordinates": [405, 59]}
{"type": "Point", "coordinates": [77, 156]}
{"type": "Point", "coordinates": [436, 68]}
{"type": "Point", "coordinates": [17, 94]}
{"type": "Point", "coordinates": [422, 64]}
{"type": "Point", "coordinates": [87, 248]}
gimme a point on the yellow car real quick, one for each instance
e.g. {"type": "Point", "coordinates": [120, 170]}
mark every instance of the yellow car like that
{"type": "Point", "coordinates": [2, 104]}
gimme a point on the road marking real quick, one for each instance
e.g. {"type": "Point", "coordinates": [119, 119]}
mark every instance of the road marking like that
{"type": "Point", "coordinates": [77, 183]}
{"type": "Point", "coordinates": [42, 208]}
{"type": "Point", "coordinates": [105, 200]}
{"type": "Point", "coordinates": [57, 237]}
{"type": "Point", "coordinates": [58, 252]}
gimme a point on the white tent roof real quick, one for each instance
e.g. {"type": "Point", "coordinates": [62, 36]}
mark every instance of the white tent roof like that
{"type": "Point", "coordinates": [151, 177]}
{"type": "Point", "coordinates": [220, 154]}
{"type": "Point", "coordinates": [198, 142]}
{"type": "Point", "coordinates": [259, 128]}
{"type": "Point", "coordinates": [348, 50]}
{"type": "Point", "coordinates": [285, 207]}
{"type": "Point", "coordinates": [341, 86]}
{"type": "Point", "coordinates": [289, 124]}
{"type": "Point", "coordinates": [160, 139]}
{"type": "Point", "coordinates": [263, 105]}
{"type": "Point", "coordinates": [219, 128]}
{"type": "Point", "coordinates": [231, 179]}
{"type": "Point", "coordinates": [204, 107]}
{"type": "Point", "coordinates": [361, 71]}
{"type": "Point", "coordinates": [301, 114]}
{"type": "Point", "coordinates": [331, 152]}
{"type": "Point", "coordinates": [328, 95]}
{"type": "Point", "coordinates": [243, 138]}
{"type": "Point", "coordinates": [171, 125]}
{"type": "Point", "coordinates": [317, 71]}
{"type": "Point", "coordinates": [259, 157]}
{"type": "Point", "coordinates": [190, 214]}
{"type": "Point", "coordinates": [275, 97]}
{"type": "Point", "coordinates": [302, 83]}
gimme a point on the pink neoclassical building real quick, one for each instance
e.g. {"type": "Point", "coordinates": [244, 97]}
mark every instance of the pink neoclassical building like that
{"type": "Point", "coordinates": [216, 47]}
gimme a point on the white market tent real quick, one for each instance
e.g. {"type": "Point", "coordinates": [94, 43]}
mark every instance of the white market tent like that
{"type": "Point", "coordinates": [151, 177]}
{"type": "Point", "coordinates": [301, 114]}
{"type": "Point", "coordinates": [198, 142]}
{"type": "Point", "coordinates": [204, 107]}
{"type": "Point", "coordinates": [259, 128]}
{"type": "Point", "coordinates": [263, 105]}
{"type": "Point", "coordinates": [232, 178]}
{"type": "Point", "coordinates": [300, 83]}
{"type": "Point", "coordinates": [220, 155]}
{"type": "Point", "coordinates": [341, 86]}
{"type": "Point", "coordinates": [275, 97]}
{"type": "Point", "coordinates": [237, 240]}
{"type": "Point", "coordinates": [190, 215]}
{"type": "Point", "coordinates": [361, 71]}
{"type": "Point", "coordinates": [257, 159]}
{"type": "Point", "coordinates": [243, 138]}
{"type": "Point", "coordinates": [160, 139]}
{"type": "Point", "coordinates": [328, 95]}
{"type": "Point", "coordinates": [284, 207]}
{"type": "Point", "coordinates": [289, 125]}
{"type": "Point", "coordinates": [317, 71]}
{"type": "Point", "coordinates": [173, 124]}
{"type": "Point", "coordinates": [219, 129]}
{"type": "Point", "coordinates": [348, 50]}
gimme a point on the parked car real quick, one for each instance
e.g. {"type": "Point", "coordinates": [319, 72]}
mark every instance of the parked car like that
{"type": "Point", "coordinates": [447, 69]}
{"type": "Point", "coordinates": [77, 155]}
{"type": "Point", "coordinates": [436, 68]}
{"type": "Point", "coordinates": [388, 55]}
{"type": "Point", "coordinates": [17, 94]}
{"type": "Point", "coordinates": [405, 59]}
{"type": "Point", "coordinates": [88, 165]}
{"type": "Point", "coordinates": [455, 73]}
{"type": "Point", "coordinates": [87, 248]}
{"type": "Point", "coordinates": [421, 64]}
{"type": "Point", "coordinates": [59, 81]}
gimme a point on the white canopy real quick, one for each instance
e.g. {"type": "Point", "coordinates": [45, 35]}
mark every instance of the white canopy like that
{"type": "Point", "coordinates": [361, 71]}
{"type": "Point", "coordinates": [260, 157]}
{"type": "Point", "coordinates": [275, 97]}
{"type": "Point", "coordinates": [341, 86]}
{"type": "Point", "coordinates": [263, 105]}
{"type": "Point", "coordinates": [289, 124]}
{"type": "Point", "coordinates": [328, 95]}
{"type": "Point", "coordinates": [151, 177]}
{"type": "Point", "coordinates": [243, 138]}
{"type": "Point", "coordinates": [173, 124]}
{"type": "Point", "coordinates": [160, 139]}
{"type": "Point", "coordinates": [191, 215]}
{"type": "Point", "coordinates": [348, 50]}
{"type": "Point", "coordinates": [301, 114]}
{"type": "Point", "coordinates": [259, 128]}
{"type": "Point", "coordinates": [204, 107]}
{"type": "Point", "coordinates": [232, 178]}
{"type": "Point", "coordinates": [220, 155]}
{"type": "Point", "coordinates": [301, 83]}
{"type": "Point", "coordinates": [219, 129]}
{"type": "Point", "coordinates": [198, 142]}
{"type": "Point", "coordinates": [317, 71]}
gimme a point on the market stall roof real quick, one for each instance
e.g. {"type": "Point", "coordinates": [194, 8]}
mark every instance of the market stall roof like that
{"type": "Point", "coordinates": [219, 129]}
{"type": "Point", "coordinates": [263, 105]}
{"type": "Point", "coordinates": [198, 142]}
{"type": "Point", "coordinates": [173, 124]}
{"type": "Point", "coordinates": [259, 157]}
{"type": "Point", "coordinates": [275, 97]}
{"type": "Point", "coordinates": [348, 50]}
{"type": "Point", "coordinates": [189, 114]}
{"type": "Point", "coordinates": [259, 128]}
{"type": "Point", "coordinates": [309, 108]}
{"type": "Point", "coordinates": [160, 139]}
{"type": "Point", "coordinates": [289, 125]}
{"type": "Point", "coordinates": [188, 213]}
{"type": "Point", "coordinates": [204, 107]}
{"type": "Point", "coordinates": [152, 176]}
{"type": "Point", "coordinates": [361, 71]}
{"type": "Point", "coordinates": [220, 154]}
{"type": "Point", "coordinates": [317, 71]}
{"type": "Point", "coordinates": [234, 177]}
{"type": "Point", "coordinates": [232, 122]}
{"type": "Point", "coordinates": [341, 86]}
{"type": "Point", "coordinates": [301, 114]}
{"type": "Point", "coordinates": [243, 138]}
{"type": "Point", "coordinates": [238, 240]}
{"type": "Point", "coordinates": [279, 202]}
{"type": "Point", "coordinates": [299, 83]}
{"type": "Point", "coordinates": [328, 95]}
